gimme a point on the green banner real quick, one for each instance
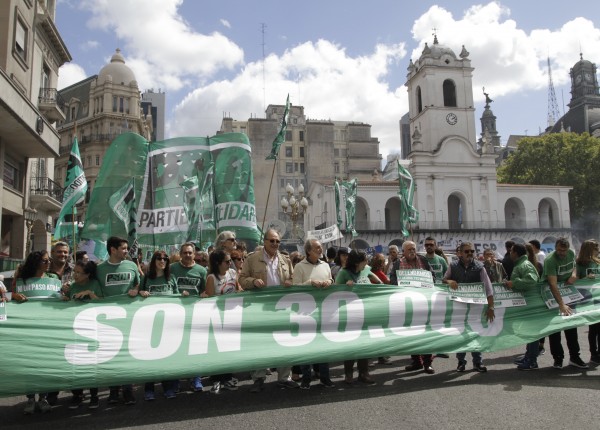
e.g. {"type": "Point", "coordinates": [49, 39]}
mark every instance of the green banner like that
{"type": "Point", "coordinates": [53, 345]}
{"type": "Point", "coordinates": [569, 293]}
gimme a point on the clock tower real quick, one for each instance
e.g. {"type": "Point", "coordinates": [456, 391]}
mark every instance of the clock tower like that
{"type": "Point", "coordinates": [584, 84]}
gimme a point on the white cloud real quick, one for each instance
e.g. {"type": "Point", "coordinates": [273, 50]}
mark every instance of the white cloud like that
{"type": "Point", "coordinates": [89, 45]}
{"type": "Point", "coordinates": [320, 76]}
{"type": "Point", "coordinates": [70, 74]}
{"type": "Point", "coordinates": [225, 23]}
{"type": "Point", "coordinates": [161, 48]}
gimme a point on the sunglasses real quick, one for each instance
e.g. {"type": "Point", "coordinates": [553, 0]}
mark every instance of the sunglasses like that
{"type": "Point", "coordinates": [162, 258]}
{"type": "Point", "coordinates": [231, 239]}
{"type": "Point", "coordinates": [430, 244]}
{"type": "Point", "coordinates": [274, 240]}
{"type": "Point", "coordinates": [469, 251]}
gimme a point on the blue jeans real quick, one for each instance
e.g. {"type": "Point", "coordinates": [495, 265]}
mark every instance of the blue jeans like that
{"type": "Point", "coordinates": [323, 371]}
{"type": "Point", "coordinates": [477, 359]}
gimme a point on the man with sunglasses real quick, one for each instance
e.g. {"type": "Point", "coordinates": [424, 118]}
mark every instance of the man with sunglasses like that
{"type": "Point", "coordinates": [468, 270]}
{"type": "Point", "coordinates": [264, 268]}
{"type": "Point", "coordinates": [438, 264]}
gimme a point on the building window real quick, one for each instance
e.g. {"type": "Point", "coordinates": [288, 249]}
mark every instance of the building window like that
{"type": "Point", "coordinates": [114, 103]}
{"type": "Point", "coordinates": [449, 93]}
{"type": "Point", "coordinates": [301, 167]}
{"type": "Point", "coordinates": [419, 100]}
{"type": "Point", "coordinates": [302, 151]}
{"type": "Point", "coordinates": [289, 167]}
{"type": "Point", "coordinates": [288, 151]}
{"type": "Point", "coordinates": [120, 104]}
{"type": "Point", "coordinates": [97, 160]}
{"type": "Point", "coordinates": [336, 152]}
{"type": "Point", "coordinates": [282, 183]}
{"type": "Point", "coordinates": [21, 36]}
{"type": "Point", "coordinates": [295, 167]}
{"type": "Point", "coordinates": [336, 167]}
{"type": "Point", "coordinates": [89, 160]}
{"type": "Point", "coordinates": [295, 120]}
{"type": "Point", "coordinates": [11, 176]}
{"type": "Point", "coordinates": [288, 136]}
{"type": "Point", "coordinates": [301, 136]}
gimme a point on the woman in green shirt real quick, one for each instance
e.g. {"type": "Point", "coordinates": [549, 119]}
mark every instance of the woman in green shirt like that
{"type": "Point", "coordinates": [355, 272]}
{"type": "Point", "coordinates": [85, 285]}
{"type": "Point", "coordinates": [588, 267]}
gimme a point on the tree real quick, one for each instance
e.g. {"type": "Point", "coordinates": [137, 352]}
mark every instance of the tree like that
{"type": "Point", "coordinates": [567, 159]}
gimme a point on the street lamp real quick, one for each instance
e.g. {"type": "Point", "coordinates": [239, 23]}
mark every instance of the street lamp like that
{"type": "Point", "coordinates": [30, 216]}
{"type": "Point", "coordinates": [297, 205]}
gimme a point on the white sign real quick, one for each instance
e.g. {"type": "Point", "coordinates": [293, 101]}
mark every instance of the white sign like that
{"type": "Point", "coordinates": [328, 234]}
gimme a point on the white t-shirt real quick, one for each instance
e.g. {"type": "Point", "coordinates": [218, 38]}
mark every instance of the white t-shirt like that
{"type": "Point", "coordinates": [226, 284]}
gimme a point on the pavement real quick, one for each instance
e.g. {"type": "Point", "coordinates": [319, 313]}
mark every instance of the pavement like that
{"type": "Point", "coordinates": [503, 398]}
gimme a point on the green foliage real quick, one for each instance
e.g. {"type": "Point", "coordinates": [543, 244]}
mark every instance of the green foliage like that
{"type": "Point", "coordinates": [567, 159]}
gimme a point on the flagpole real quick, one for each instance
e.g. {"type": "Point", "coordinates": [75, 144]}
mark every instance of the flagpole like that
{"type": "Point", "coordinates": [73, 212]}
{"type": "Point", "coordinates": [262, 227]}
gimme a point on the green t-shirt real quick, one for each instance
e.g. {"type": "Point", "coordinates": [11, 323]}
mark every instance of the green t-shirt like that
{"type": "Point", "coordinates": [46, 287]}
{"type": "Point", "coordinates": [93, 285]}
{"type": "Point", "coordinates": [438, 265]}
{"type": "Point", "coordinates": [191, 279]}
{"type": "Point", "coordinates": [591, 268]}
{"type": "Point", "coordinates": [117, 279]}
{"type": "Point", "coordinates": [345, 275]}
{"type": "Point", "coordinates": [159, 286]}
{"type": "Point", "coordinates": [561, 268]}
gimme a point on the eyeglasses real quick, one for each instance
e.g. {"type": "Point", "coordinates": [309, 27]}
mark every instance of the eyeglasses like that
{"type": "Point", "coordinates": [468, 251]}
{"type": "Point", "coordinates": [274, 240]}
{"type": "Point", "coordinates": [430, 244]}
{"type": "Point", "coordinates": [231, 239]}
{"type": "Point", "coordinates": [162, 258]}
{"type": "Point", "coordinates": [227, 261]}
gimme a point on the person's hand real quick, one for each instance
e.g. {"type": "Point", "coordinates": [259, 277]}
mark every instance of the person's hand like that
{"type": "Point", "coordinates": [350, 283]}
{"type": "Point", "coordinates": [64, 298]}
{"type": "Point", "coordinates": [203, 295]}
{"type": "Point", "coordinates": [185, 293]}
{"type": "Point", "coordinates": [132, 293]}
{"type": "Point", "coordinates": [508, 284]}
{"type": "Point", "coordinates": [20, 298]}
{"type": "Point", "coordinates": [142, 293]}
{"type": "Point", "coordinates": [490, 314]}
{"type": "Point", "coordinates": [287, 283]}
{"type": "Point", "coordinates": [452, 284]}
{"type": "Point", "coordinates": [571, 280]}
{"type": "Point", "coordinates": [258, 283]}
{"type": "Point", "coordinates": [591, 276]}
{"type": "Point", "coordinates": [565, 310]}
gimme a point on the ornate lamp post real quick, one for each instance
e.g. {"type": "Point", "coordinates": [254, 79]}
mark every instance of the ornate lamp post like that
{"type": "Point", "coordinates": [296, 205]}
{"type": "Point", "coordinates": [29, 215]}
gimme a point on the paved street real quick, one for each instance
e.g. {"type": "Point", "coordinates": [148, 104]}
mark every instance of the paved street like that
{"type": "Point", "coordinates": [503, 398]}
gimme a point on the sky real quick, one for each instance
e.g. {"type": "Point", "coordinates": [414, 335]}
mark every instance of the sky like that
{"type": "Point", "coordinates": [340, 59]}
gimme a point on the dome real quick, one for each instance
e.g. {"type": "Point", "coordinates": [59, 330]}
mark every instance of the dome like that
{"type": "Point", "coordinates": [436, 50]}
{"type": "Point", "coordinates": [116, 71]}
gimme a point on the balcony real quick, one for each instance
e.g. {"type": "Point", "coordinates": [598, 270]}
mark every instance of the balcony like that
{"type": "Point", "coordinates": [51, 104]}
{"type": "Point", "coordinates": [45, 194]}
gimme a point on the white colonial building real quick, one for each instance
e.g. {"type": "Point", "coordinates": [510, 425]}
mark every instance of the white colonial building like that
{"type": "Point", "coordinates": [457, 194]}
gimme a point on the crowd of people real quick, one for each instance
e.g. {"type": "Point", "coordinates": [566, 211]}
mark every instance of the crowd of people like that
{"type": "Point", "coordinates": [228, 268]}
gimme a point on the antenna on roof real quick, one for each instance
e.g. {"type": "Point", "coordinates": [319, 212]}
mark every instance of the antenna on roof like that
{"type": "Point", "coordinates": [553, 111]}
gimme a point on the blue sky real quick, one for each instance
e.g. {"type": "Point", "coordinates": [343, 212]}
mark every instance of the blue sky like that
{"type": "Point", "coordinates": [343, 60]}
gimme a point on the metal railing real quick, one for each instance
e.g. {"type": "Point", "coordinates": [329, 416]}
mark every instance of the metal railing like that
{"type": "Point", "coordinates": [47, 187]}
{"type": "Point", "coordinates": [51, 96]}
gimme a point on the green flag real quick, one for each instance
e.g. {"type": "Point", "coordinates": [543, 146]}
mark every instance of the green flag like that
{"type": "Point", "coordinates": [123, 204]}
{"type": "Point", "coordinates": [406, 192]}
{"type": "Point", "coordinates": [75, 189]}
{"type": "Point", "coordinates": [280, 138]}
{"type": "Point", "coordinates": [199, 207]}
{"type": "Point", "coordinates": [338, 207]}
{"type": "Point", "coordinates": [351, 189]}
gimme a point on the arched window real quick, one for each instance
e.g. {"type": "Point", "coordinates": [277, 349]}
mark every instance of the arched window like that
{"type": "Point", "coordinates": [419, 101]}
{"type": "Point", "coordinates": [449, 93]}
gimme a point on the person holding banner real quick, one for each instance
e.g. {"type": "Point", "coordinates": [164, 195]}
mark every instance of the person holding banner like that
{"type": "Point", "coordinates": [119, 276]}
{"type": "Point", "coordinates": [438, 264]}
{"type": "Point", "coordinates": [588, 267]}
{"type": "Point", "coordinates": [524, 277]}
{"type": "Point", "coordinates": [356, 272]}
{"type": "Point", "coordinates": [559, 266]}
{"type": "Point", "coordinates": [268, 267]}
{"type": "Point", "coordinates": [469, 270]}
{"type": "Point", "coordinates": [60, 266]}
{"type": "Point", "coordinates": [316, 272]}
{"type": "Point", "coordinates": [32, 283]}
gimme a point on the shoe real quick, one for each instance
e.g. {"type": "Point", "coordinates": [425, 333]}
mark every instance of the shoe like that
{"type": "Point", "coordinates": [269, 371]}
{"type": "Point", "coordinates": [327, 383]}
{"type": "Point", "coordinates": [595, 358]}
{"type": "Point", "coordinates": [461, 367]}
{"type": "Point", "coordinates": [228, 385]}
{"type": "Point", "coordinates": [170, 394]}
{"type": "Point", "coordinates": [480, 368]}
{"type": "Point", "coordinates": [366, 379]}
{"type": "Point", "coordinates": [197, 384]}
{"type": "Point", "coordinates": [528, 366]}
{"type": "Point", "coordinates": [558, 363]}
{"type": "Point", "coordinates": [216, 388]}
{"type": "Point", "coordinates": [44, 406]}
{"type": "Point", "coordinates": [113, 397]}
{"type": "Point", "coordinates": [76, 401]}
{"type": "Point", "coordinates": [384, 360]}
{"type": "Point", "coordinates": [519, 360]}
{"type": "Point", "coordinates": [94, 403]}
{"type": "Point", "coordinates": [413, 366]}
{"type": "Point", "coordinates": [288, 383]}
{"type": "Point", "coordinates": [149, 395]}
{"type": "Point", "coordinates": [258, 386]}
{"type": "Point", "coordinates": [296, 377]}
{"type": "Point", "coordinates": [52, 398]}
{"type": "Point", "coordinates": [234, 381]}
{"type": "Point", "coordinates": [29, 408]}
{"type": "Point", "coordinates": [349, 380]}
{"type": "Point", "coordinates": [442, 355]}
{"type": "Point", "coordinates": [429, 370]}
{"type": "Point", "coordinates": [578, 362]}
{"type": "Point", "coordinates": [128, 397]}
{"type": "Point", "coordinates": [305, 385]}
{"type": "Point", "coordinates": [542, 350]}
